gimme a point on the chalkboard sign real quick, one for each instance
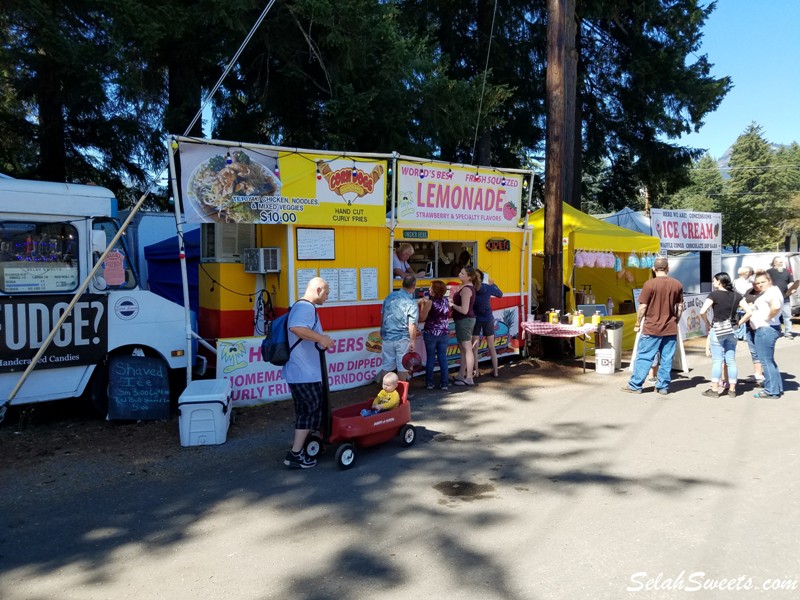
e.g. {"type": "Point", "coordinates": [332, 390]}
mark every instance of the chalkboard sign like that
{"type": "Point", "coordinates": [138, 388]}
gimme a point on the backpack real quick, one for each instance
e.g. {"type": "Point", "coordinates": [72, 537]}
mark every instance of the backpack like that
{"type": "Point", "coordinates": [275, 346]}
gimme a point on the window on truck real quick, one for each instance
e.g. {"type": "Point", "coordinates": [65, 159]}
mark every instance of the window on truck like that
{"type": "Point", "coordinates": [38, 257]}
{"type": "Point", "coordinates": [117, 271]}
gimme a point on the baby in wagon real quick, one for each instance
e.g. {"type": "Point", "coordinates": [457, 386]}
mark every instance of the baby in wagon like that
{"type": "Point", "coordinates": [387, 399]}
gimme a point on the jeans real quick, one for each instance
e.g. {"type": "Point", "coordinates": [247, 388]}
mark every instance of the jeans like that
{"type": "Point", "coordinates": [786, 313]}
{"type": "Point", "coordinates": [751, 344]}
{"type": "Point", "coordinates": [724, 349]}
{"type": "Point", "coordinates": [435, 347]}
{"type": "Point", "coordinates": [765, 347]}
{"type": "Point", "coordinates": [649, 345]}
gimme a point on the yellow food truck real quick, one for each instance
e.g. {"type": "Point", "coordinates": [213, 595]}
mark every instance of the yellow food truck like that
{"type": "Point", "coordinates": [273, 218]}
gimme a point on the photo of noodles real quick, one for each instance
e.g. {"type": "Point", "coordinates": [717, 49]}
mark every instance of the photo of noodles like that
{"type": "Point", "coordinates": [219, 187]}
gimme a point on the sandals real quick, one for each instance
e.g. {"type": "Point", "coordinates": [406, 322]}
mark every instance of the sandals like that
{"type": "Point", "coordinates": [462, 383]}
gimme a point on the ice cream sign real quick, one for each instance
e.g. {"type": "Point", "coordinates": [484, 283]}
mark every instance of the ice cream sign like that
{"type": "Point", "coordinates": [686, 230]}
{"type": "Point", "coordinates": [457, 196]}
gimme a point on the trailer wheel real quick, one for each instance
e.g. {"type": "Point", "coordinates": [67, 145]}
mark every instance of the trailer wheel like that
{"type": "Point", "coordinates": [407, 435]}
{"type": "Point", "coordinates": [313, 446]}
{"type": "Point", "coordinates": [345, 456]}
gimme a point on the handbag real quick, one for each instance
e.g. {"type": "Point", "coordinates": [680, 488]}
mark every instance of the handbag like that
{"type": "Point", "coordinates": [724, 328]}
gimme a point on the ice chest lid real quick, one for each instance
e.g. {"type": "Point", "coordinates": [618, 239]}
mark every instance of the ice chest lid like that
{"type": "Point", "coordinates": [202, 390]}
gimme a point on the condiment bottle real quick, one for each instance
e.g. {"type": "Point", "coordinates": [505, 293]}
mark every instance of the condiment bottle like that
{"type": "Point", "coordinates": [596, 318]}
{"type": "Point", "coordinates": [579, 319]}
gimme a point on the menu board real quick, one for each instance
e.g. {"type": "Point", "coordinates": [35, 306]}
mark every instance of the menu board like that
{"type": "Point", "coordinates": [315, 244]}
{"type": "Point", "coordinates": [332, 277]}
{"type": "Point", "coordinates": [303, 277]}
{"type": "Point", "coordinates": [348, 290]}
{"type": "Point", "coordinates": [369, 284]}
{"type": "Point", "coordinates": [138, 388]}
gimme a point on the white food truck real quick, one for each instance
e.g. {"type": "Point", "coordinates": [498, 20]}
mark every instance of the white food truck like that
{"type": "Point", "coordinates": [51, 234]}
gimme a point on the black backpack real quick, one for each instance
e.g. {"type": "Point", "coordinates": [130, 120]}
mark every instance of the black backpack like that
{"type": "Point", "coordinates": [275, 346]}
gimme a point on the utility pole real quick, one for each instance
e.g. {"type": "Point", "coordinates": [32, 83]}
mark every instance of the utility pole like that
{"type": "Point", "coordinates": [559, 145]}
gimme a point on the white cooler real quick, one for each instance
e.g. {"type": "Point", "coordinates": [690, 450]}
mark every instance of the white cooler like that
{"type": "Point", "coordinates": [204, 412]}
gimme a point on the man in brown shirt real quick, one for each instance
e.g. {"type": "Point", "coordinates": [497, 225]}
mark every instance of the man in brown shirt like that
{"type": "Point", "coordinates": [660, 308]}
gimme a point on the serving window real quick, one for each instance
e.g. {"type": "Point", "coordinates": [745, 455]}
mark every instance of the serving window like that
{"type": "Point", "coordinates": [38, 257]}
{"type": "Point", "coordinates": [441, 259]}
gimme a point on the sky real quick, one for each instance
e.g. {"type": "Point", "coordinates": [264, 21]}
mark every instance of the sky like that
{"type": "Point", "coordinates": [757, 44]}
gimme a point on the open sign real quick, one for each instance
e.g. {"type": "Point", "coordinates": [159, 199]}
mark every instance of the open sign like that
{"type": "Point", "coordinates": [498, 245]}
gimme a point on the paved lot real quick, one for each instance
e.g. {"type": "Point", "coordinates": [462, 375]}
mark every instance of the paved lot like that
{"type": "Point", "coordinates": [546, 483]}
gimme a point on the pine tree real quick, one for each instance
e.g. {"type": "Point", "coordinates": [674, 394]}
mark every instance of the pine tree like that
{"type": "Point", "coordinates": [706, 191]}
{"type": "Point", "coordinates": [753, 211]}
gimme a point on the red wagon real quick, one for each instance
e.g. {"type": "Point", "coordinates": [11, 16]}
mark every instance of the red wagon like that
{"type": "Point", "coordinates": [348, 429]}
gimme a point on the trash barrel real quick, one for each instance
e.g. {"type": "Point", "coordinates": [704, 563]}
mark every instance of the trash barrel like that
{"type": "Point", "coordinates": [611, 337]}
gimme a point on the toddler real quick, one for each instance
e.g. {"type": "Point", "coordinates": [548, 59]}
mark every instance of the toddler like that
{"type": "Point", "coordinates": [387, 399]}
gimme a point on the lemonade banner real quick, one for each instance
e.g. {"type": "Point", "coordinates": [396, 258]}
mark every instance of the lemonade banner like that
{"type": "Point", "coordinates": [240, 184]}
{"type": "Point", "coordinates": [687, 230]}
{"type": "Point", "coordinates": [432, 194]}
{"type": "Point", "coordinates": [353, 361]}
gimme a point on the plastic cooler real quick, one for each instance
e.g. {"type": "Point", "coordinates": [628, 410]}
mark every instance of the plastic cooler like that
{"type": "Point", "coordinates": [204, 412]}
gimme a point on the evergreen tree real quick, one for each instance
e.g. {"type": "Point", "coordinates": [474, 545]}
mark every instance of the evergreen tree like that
{"type": "Point", "coordinates": [706, 190]}
{"type": "Point", "coordinates": [641, 82]}
{"type": "Point", "coordinates": [753, 212]}
{"type": "Point", "coordinates": [63, 80]}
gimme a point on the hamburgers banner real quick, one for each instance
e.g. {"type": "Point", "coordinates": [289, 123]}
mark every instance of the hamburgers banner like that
{"type": "Point", "coordinates": [432, 193]}
{"type": "Point", "coordinates": [247, 184]}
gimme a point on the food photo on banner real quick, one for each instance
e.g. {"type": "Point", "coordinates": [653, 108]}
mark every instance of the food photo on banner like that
{"type": "Point", "coordinates": [232, 184]}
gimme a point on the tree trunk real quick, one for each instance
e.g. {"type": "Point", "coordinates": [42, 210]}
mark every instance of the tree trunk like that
{"type": "Point", "coordinates": [52, 140]}
{"type": "Point", "coordinates": [185, 97]}
{"type": "Point", "coordinates": [559, 147]}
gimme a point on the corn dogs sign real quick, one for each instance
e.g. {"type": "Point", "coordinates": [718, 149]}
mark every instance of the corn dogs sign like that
{"type": "Point", "coordinates": [249, 184]}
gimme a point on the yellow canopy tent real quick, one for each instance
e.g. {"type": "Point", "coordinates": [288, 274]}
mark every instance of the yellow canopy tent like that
{"type": "Point", "coordinates": [584, 232]}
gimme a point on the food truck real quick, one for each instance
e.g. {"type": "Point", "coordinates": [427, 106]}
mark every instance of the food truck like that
{"type": "Point", "coordinates": [272, 218]}
{"type": "Point", "coordinates": [118, 333]}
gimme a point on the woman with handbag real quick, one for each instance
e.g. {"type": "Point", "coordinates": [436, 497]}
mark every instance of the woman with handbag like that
{"type": "Point", "coordinates": [724, 301]}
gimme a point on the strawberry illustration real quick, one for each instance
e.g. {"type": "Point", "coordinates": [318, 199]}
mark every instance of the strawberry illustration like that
{"type": "Point", "coordinates": [509, 211]}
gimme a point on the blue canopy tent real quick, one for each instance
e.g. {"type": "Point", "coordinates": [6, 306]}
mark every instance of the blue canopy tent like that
{"type": "Point", "coordinates": [164, 268]}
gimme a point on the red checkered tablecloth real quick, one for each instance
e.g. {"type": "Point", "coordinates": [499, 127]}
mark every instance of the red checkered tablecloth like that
{"type": "Point", "coordinates": [558, 330]}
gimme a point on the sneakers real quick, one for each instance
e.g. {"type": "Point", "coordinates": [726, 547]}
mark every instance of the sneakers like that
{"type": "Point", "coordinates": [662, 391]}
{"type": "Point", "coordinates": [298, 461]}
{"type": "Point", "coordinates": [731, 392]}
{"type": "Point", "coordinates": [625, 388]}
{"type": "Point", "coordinates": [788, 335]}
{"type": "Point", "coordinates": [709, 393]}
{"type": "Point", "coordinates": [429, 386]}
{"type": "Point", "coordinates": [443, 388]}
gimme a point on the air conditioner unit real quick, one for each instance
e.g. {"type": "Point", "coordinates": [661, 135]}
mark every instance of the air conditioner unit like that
{"type": "Point", "coordinates": [262, 260]}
